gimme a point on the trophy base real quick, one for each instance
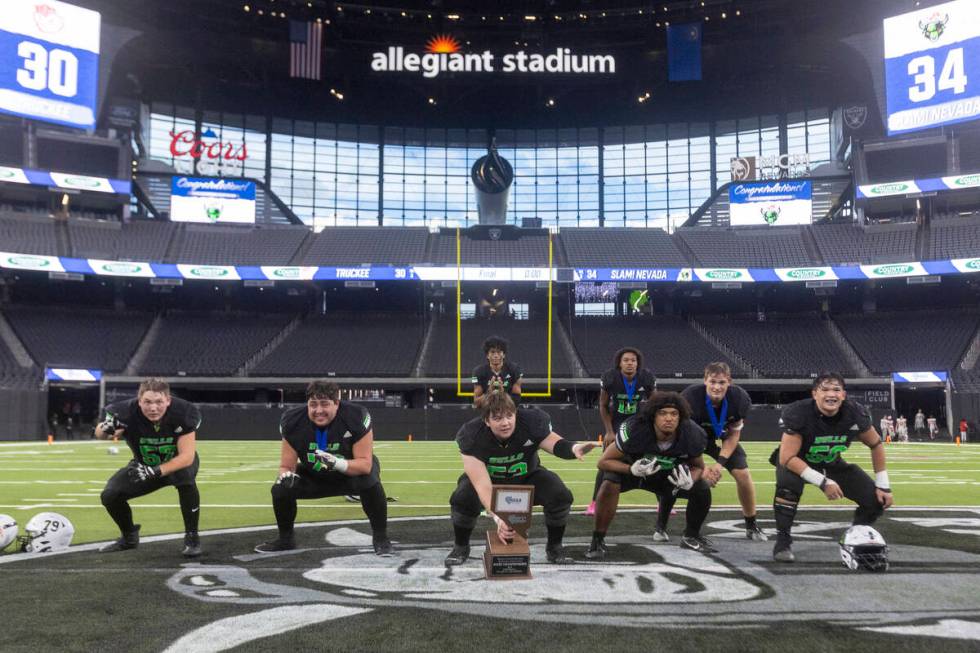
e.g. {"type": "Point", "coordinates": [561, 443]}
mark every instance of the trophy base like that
{"type": "Point", "coordinates": [506, 561]}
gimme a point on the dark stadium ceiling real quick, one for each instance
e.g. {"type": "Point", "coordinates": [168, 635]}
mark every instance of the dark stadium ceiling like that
{"type": "Point", "coordinates": [758, 55]}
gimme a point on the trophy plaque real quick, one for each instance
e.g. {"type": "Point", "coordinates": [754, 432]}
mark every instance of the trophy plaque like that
{"type": "Point", "coordinates": [511, 561]}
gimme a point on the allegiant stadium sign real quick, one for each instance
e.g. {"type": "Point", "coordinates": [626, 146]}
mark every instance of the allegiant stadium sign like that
{"type": "Point", "coordinates": [431, 64]}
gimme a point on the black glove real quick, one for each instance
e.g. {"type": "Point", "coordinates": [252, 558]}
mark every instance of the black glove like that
{"type": "Point", "coordinates": [141, 472]}
{"type": "Point", "coordinates": [110, 425]}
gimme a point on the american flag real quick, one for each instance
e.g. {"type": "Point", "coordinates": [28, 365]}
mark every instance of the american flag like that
{"type": "Point", "coordinates": [305, 43]}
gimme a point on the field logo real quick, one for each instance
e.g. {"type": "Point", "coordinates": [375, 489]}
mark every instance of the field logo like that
{"type": "Point", "coordinates": [723, 275]}
{"type": "Point", "coordinates": [803, 274]}
{"type": "Point", "coordinates": [893, 270]}
{"type": "Point", "coordinates": [933, 28]}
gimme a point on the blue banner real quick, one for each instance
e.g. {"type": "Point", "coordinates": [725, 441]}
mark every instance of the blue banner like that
{"type": "Point", "coordinates": [684, 52]}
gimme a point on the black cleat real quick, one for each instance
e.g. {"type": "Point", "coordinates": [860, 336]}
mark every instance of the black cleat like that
{"type": "Point", "coordinates": [699, 544]}
{"type": "Point", "coordinates": [756, 533]}
{"type": "Point", "coordinates": [279, 544]}
{"type": "Point", "coordinates": [382, 547]}
{"type": "Point", "coordinates": [660, 535]}
{"type": "Point", "coordinates": [783, 553]}
{"type": "Point", "coordinates": [556, 555]}
{"type": "Point", "coordinates": [192, 545]}
{"type": "Point", "coordinates": [352, 498]}
{"type": "Point", "coordinates": [129, 540]}
{"type": "Point", "coordinates": [458, 555]}
{"type": "Point", "coordinates": [597, 550]}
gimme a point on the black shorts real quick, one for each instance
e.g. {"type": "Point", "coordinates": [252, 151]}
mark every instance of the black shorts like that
{"type": "Point", "coordinates": [736, 461]}
{"type": "Point", "coordinates": [124, 486]}
{"type": "Point", "coordinates": [657, 483]}
{"type": "Point", "coordinates": [317, 485]}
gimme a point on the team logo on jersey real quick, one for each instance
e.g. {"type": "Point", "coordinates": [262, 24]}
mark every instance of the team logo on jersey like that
{"type": "Point", "coordinates": [933, 28]}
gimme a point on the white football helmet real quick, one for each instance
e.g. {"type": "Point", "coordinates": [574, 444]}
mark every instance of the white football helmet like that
{"type": "Point", "coordinates": [8, 531]}
{"type": "Point", "coordinates": [47, 531]}
{"type": "Point", "coordinates": [862, 547]}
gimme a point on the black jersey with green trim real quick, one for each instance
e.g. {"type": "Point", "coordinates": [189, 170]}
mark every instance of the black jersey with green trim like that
{"type": "Point", "coordinates": [351, 423]}
{"type": "Point", "coordinates": [509, 374]}
{"type": "Point", "coordinates": [824, 438]}
{"type": "Point", "coordinates": [739, 405]}
{"type": "Point", "coordinates": [636, 439]}
{"type": "Point", "coordinates": [621, 405]}
{"type": "Point", "coordinates": [154, 443]}
{"type": "Point", "coordinates": [510, 459]}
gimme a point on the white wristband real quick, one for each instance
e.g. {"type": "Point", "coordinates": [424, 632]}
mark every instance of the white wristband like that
{"type": "Point", "coordinates": [340, 465]}
{"type": "Point", "coordinates": [810, 475]}
{"type": "Point", "coordinates": [881, 480]}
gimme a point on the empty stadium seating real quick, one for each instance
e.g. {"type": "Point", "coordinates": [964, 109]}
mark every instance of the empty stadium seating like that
{"type": "Point", "coordinates": [530, 251]}
{"type": "Point", "coordinates": [669, 344]}
{"type": "Point", "coordinates": [754, 247]}
{"type": "Point", "coordinates": [356, 245]}
{"type": "Point", "coordinates": [910, 341]}
{"type": "Point", "coordinates": [208, 344]}
{"type": "Point", "coordinates": [608, 247]}
{"type": "Point", "coordinates": [216, 245]}
{"type": "Point", "coordinates": [28, 233]}
{"type": "Point", "coordinates": [12, 375]}
{"type": "Point", "coordinates": [78, 337]}
{"type": "Point", "coordinates": [788, 346]}
{"type": "Point", "coordinates": [848, 244]}
{"type": "Point", "coordinates": [356, 344]}
{"type": "Point", "coordinates": [955, 237]}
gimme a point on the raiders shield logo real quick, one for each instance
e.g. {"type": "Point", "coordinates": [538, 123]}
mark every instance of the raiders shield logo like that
{"type": "Point", "coordinates": [855, 117]}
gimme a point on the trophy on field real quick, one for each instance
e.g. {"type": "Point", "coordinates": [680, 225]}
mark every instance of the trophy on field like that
{"type": "Point", "coordinates": [510, 561]}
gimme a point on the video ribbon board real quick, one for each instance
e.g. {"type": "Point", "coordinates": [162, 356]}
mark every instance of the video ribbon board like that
{"type": "Point", "coordinates": [932, 66]}
{"type": "Point", "coordinates": [49, 61]}
{"type": "Point", "coordinates": [778, 202]}
{"type": "Point", "coordinates": [212, 201]}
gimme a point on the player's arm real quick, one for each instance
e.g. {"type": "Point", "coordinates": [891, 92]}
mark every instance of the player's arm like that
{"type": "Point", "coordinates": [109, 427]}
{"type": "Point", "coordinates": [359, 465]}
{"type": "Point", "coordinates": [562, 448]}
{"type": "Point", "coordinates": [696, 465]}
{"type": "Point", "coordinates": [186, 447]}
{"type": "Point", "coordinates": [287, 458]}
{"type": "Point", "coordinates": [883, 489]}
{"type": "Point", "coordinates": [515, 390]}
{"type": "Point", "coordinates": [613, 460]}
{"type": "Point", "coordinates": [606, 417]}
{"type": "Point", "coordinates": [476, 471]}
{"type": "Point", "coordinates": [477, 393]}
{"type": "Point", "coordinates": [730, 442]}
{"type": "Point", "coordinates": [789, 450]}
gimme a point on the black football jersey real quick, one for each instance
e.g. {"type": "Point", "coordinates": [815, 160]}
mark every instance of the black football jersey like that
{"type": "Point", "coordinates": [351, 423]}
{"type": "Point", "coordinates": [155, 443]}
{"type": "Point", "coordinates": [515, 457]}
{"type": "Point", "coordinates": [509, 374]}
{"type": "Point", "coordinates": [735, 405]}
{"type": "Point", "coordinates": [824, 438]}
{"type": "Point", "coordinates": [622, 404]}
{"type": "Point", "coordinates": [636, 439]}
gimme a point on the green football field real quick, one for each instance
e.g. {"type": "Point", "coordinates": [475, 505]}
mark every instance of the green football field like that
{"type": "Point", "coordinates": [235, 477]}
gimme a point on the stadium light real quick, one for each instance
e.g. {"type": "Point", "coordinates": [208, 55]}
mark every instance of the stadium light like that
{"type": "Point", "coordinates": [247, 8]}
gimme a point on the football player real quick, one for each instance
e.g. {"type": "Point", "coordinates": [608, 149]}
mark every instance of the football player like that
{"type": "Point", "coordinates": [501, 446]}
{"type": "Point", "coordinates": [327, 451]}
{"type": "Point", "coordinates": [816, 432]}
{"type": "Point", "coordinates": [497, 373]}
{"type": "Point", "coordinates": [658, 450]}
{"type": "Point", "coordinates": [720, 408]}
{"type": "Point", "coordinates": [622, 388]}
{"type": "Point", "coordinates": [161, 431]}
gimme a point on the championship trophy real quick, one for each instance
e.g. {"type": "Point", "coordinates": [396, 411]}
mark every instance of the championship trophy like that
{"type": "Point", "coordinates": [510, 561]}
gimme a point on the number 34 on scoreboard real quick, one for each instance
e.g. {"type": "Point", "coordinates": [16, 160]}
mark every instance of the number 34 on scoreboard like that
{"type": "Point", "coordinates": [932, 66]}
{"type": "Point", "coordinates": [49, 61]}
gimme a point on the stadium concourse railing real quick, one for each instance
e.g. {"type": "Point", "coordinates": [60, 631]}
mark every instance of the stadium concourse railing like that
{"type": "Point", "coordinates": [440, 421]}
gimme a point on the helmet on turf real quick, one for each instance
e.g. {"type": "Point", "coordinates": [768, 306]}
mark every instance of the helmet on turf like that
{"type": "Point", "coordinates": [8, 531]}
{"type": "Point", "coordinates": [46, 531]}
{"type": "Point", "coordinates": [862, 547]}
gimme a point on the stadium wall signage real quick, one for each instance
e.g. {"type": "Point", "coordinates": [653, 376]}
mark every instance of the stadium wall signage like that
{"type": "Point", "coordinates": [915, 186]}
{"type": "Point", "coordinates": [64, 180]}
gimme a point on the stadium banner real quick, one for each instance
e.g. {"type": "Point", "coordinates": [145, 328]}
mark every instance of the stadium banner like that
{"type": "Point", "coordinates": [436, 273]}
{"type": "Point", "coordinates": [914, 186]}
{"type": "Point", "coordinates": [768, 203]}
{"type": "Point", "coordinates": [285, 273]}
{"type": "Point", "coordinates": [70, 374]}
{"type": "Point", "coordinates": [723, 274]}
{"type": "Point", "coordinates": [627, 274]}
{"type": "Point", "coordinates": [806, 274]}
{"type": "Point", "coordinates": [932, 66]}
{"type": "Point", "coordinates": [49, 61]}
{"type": "Point", "coordinates": [120, 268]}
{"type": "Point", "coordinates": [212, 201]}
{"type": "Point", "coordinates": [377, 273]}
{"type": "Point", "coordinates": [966, 265]}
{"type": "Point", "coordinates": [34, 262]}
{"type": "Point", "coordinates": [64, 180]}
{"type": "Point", "coordinates": [919, 377]}
{"type": "Point", "coordinates": [208, 272]}
{"type": "Point", "coordinates": [962, 181]}
{"type": "Point", "coordinates": [893, 270]}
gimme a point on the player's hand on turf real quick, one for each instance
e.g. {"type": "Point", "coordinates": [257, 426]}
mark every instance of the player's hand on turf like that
{"type": "Point", "coordinates": [681, 478]}
{"type": "Point", "coordinates": [644, 467]}
{"type": "Point", "coordinates": [142, 472]}
{"type": "Point", "coordinates": [884, 498]}
{"type": "Point", "coordinates": [832, 491]}
{"type": "Point", "coordinates": [288, 480]}
{"type": "Point", "coordinates": [582, 448]}
{"type": "Point", "coordinates": [712, 474]}
{"type": "Point", "coordinates": [504, 532]}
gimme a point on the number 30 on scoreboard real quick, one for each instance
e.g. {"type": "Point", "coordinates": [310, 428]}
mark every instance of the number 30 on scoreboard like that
{"type": "Point", "coordinates": [49, 61]}
{"type": "Point", "coordinates": [932, 66]}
